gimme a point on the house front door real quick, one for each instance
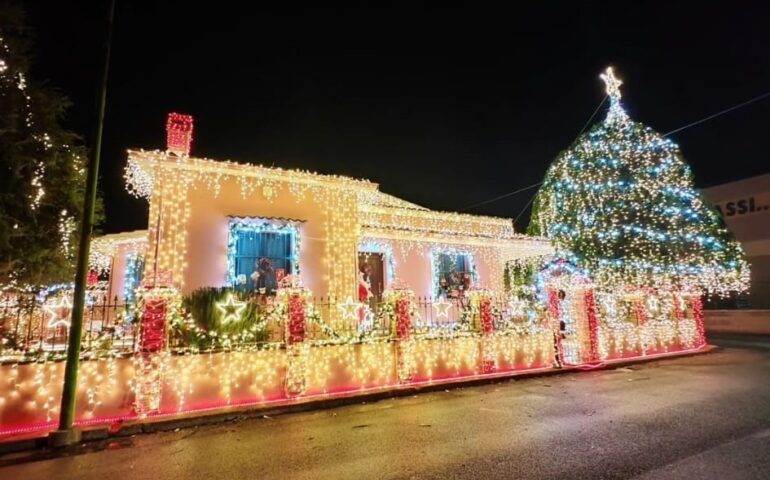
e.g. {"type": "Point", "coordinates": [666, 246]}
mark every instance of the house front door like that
{"type": "Point", "coordinates": [374, 262]}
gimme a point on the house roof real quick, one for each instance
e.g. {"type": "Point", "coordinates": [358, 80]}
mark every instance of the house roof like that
{"type": "Point", "coordinates": [103, 248]}
{"type": "Point", "coordinates": [382, 215]}
{"type": "Point", "coordinates": [143, 165]}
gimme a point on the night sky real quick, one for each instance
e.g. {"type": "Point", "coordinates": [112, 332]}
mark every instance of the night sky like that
{"type": "Point", "coordinates": [442, 106]}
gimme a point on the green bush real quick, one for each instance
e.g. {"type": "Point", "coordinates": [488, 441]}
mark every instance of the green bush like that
{"type": "Point", "coordinates": [203, 327]}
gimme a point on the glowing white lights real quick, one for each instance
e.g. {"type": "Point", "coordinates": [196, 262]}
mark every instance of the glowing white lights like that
{"type": "Point", "coordinates": [620, 204]}
{"type": "Point", "coordinates": [231, 309]}
{"type": "Point", "coordinates": [349, 309]}
{"type": "Point", "coordinates": [60, 312]}
{"type": "Point", "coordinates": [442, 307]}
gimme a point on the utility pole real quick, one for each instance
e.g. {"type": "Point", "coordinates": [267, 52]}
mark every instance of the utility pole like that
{"type": "Point", "coordinates": [66, 434]}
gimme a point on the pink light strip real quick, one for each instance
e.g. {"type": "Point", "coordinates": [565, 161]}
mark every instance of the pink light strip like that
{"type": "Point", "coordinates": [345, 393]}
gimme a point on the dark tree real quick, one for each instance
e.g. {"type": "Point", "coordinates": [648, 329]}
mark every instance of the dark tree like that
{"type": "Point", "coordinates": [42, 168]}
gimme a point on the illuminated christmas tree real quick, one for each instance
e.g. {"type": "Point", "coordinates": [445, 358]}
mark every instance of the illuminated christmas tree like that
{"type": "Point", "coordinates": [620, 204]}
{"type": "Point", "coordinates": [42, 175]}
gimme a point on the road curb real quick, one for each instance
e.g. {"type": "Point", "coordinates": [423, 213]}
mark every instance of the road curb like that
{"type": "Point", "coordinates": [233, 414]}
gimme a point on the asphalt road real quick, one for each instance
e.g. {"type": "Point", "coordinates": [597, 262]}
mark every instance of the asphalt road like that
{"type": "Point", "coordinates": [700, 417]}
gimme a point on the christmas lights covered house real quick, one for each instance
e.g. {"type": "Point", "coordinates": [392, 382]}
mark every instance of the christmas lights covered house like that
{"type": "Point", "coordinates": [224, 224]}
{"type": "Point", "coordinates": [391, 294]}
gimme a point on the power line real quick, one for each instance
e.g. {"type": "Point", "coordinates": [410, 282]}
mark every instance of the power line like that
{"type": "Point", "coordinates": [501, 196]}
{"type": "Point", "coordinates": [588, 122]}
{"type": "Point", "coordinates": [506, 195]}
{"type": "Point", "coordinates": [525, 207]}
{"type": "Point", "coordinates": [727, 110]}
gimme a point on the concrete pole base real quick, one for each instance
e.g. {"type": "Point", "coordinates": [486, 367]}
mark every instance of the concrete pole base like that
{"type": "Point", "coordinates": [64, 438]}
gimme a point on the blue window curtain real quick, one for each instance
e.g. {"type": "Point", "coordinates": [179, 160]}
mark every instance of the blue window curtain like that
{"type": "Point", "coordinates": [260, 256]}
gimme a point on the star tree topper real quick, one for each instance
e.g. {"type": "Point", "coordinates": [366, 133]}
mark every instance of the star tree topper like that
{"type": "Point", "coordinates": [612, 84]}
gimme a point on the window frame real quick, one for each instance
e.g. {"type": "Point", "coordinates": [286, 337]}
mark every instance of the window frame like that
{"type": "Point", "coordinates": [259, 225]}
{"type": "Point", "coordinates": [436, 265]}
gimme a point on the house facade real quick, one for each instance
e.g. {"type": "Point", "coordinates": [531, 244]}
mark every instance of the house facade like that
{"type": "Point", "coordinates": [218, 224]}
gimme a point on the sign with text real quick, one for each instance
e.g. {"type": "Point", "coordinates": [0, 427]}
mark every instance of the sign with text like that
{"type": "Point", "coordinates": [744, 206]}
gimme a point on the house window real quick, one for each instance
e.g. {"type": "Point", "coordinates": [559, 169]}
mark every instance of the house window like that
{"type": "Point", "coordinates": [133, 276]}
{"type": "Point", "coordinates": [454, 273]}
{"type": "Point", "coordinates": [261, 252]}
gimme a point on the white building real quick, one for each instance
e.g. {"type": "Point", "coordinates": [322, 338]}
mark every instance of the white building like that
{"type": "Point", "coordinates": [745, 208]}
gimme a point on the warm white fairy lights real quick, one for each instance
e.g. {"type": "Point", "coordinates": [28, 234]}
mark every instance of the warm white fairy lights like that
{"type": "Point", "coordinates": [66, 229]}
{"type": "Point", "coordinates": [60, 311]}
{"type": "Point", "coordinates": [620, 203]}
{"type": "Point", "coordinates": [105, 248]}
{"type": "Point", "coordinates": [230, 309]}
{"type": "Point", "coordinates": [357, 217]}
{"type": "Point", "coordinates": [442, 306]}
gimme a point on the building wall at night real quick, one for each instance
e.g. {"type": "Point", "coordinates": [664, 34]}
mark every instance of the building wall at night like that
{"type": "Point", "coordinates": [745, 208]}
{"type": "Point", "coordinates": [194, 202]}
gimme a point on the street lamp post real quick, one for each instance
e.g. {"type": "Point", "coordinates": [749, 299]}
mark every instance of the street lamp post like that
{"type": "Point", "coordinates": [66, 434]}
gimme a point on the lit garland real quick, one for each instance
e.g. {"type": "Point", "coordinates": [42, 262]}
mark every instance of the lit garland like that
{"type": "Point", "coordinates": [620, 203]}
{"type": "Point", "coordinates": [260, 375]}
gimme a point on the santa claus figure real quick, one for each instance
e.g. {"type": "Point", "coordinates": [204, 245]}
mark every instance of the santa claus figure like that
{"type": "Point", "coordinates": [364, 283]}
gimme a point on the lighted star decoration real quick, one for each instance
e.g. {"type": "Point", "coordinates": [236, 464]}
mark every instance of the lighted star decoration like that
{"type": "Point", "coordinates": [613, 84]}
{"type": "Point", "coordinates": [516, 307]}
{"type": "Point", "coordinates": [442, 307]}
{"type": "Point", "coordinates": [349, 309]}
{"type": "Point", "coordinates": [231, 309]}
{"type": "Point", "coordinates": [60, 312]}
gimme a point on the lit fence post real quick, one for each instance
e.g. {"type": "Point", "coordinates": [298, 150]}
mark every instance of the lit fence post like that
{"type": "Point", "coordinates": [296, 301]}
{"type": "Point", "coordinates": [399, 304]}
{"type": "Point", "coordinates": [157, 300]}
{"type": "Point", "coordinates": [481, 304]}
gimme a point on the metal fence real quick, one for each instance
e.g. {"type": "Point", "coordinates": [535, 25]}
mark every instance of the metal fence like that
{"type": "Point", "coordinates": [31, 330]}
{"type": "Point", "coordinates": [333, 319]}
